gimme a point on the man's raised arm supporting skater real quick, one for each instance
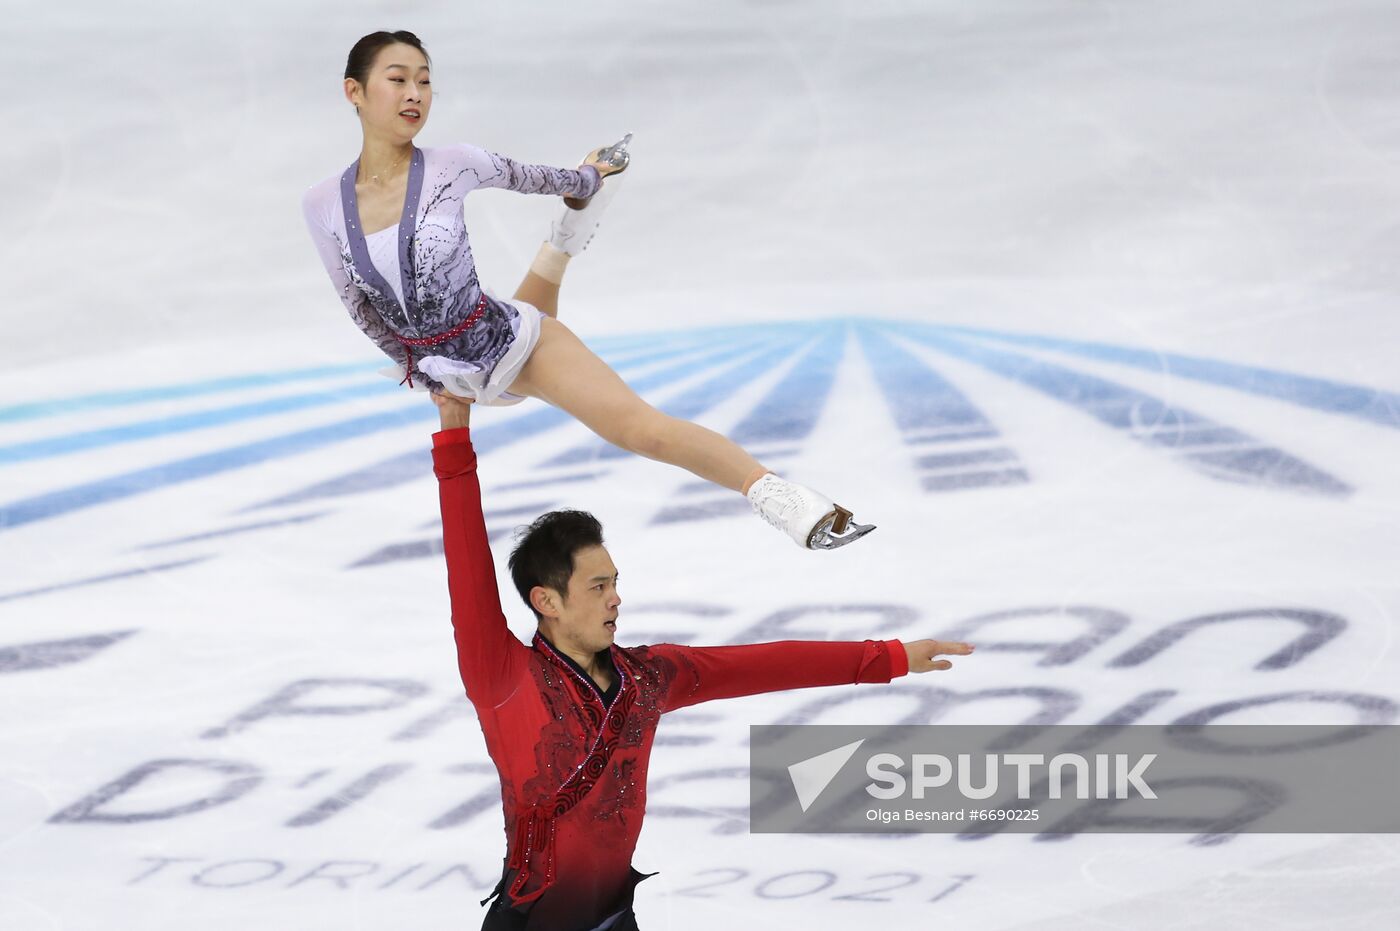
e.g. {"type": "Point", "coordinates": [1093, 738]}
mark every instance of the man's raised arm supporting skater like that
{"type": "Point", "coordinates": [569, 719]}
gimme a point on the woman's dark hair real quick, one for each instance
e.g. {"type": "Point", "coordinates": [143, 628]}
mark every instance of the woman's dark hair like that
{"type": "Point", "coordinates": [362, 55]}
{"type": "Point", "coordinates": [544, 551]}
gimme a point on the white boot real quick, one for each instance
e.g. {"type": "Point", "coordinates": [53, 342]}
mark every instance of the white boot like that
{"type": "Point", "coordinates": [813, 520]}
{"type": "Point", "coordinates": [573, 229]}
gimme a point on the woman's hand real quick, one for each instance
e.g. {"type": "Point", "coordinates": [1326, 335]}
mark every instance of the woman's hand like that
{"type": "Point", "coordinates": [605, 167]}
{"type": "Point", "coordinates": [922, 652]}
{"type": "Point", "coordinates": [609, 160]}
{"type": "Point", "coordinates": [455, 412]}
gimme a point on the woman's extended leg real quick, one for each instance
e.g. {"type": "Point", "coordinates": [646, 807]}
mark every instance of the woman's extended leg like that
{"type": "Point", "coordinates": [562, 371]}
{"type": "Point", "coordinates": [541, 284]}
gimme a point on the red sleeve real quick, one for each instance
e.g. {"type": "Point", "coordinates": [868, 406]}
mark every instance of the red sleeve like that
{"type": "Point", "coordinates": [707, 673]}
{"type": "Point", "coordinates": [488, 655]}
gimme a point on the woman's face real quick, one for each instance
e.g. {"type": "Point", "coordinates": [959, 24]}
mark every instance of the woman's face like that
{"type": "Point", "coordinates": [397, 94]}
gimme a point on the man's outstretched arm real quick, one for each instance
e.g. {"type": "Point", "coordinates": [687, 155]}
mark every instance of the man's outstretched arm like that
{"type": "Point", "coordinates": [489, 656]}
{"type": "Point", "coordinates": [707, 673]}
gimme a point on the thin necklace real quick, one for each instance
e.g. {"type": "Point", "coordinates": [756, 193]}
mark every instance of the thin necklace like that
{"type": "Point", "coordinates": [393, 166]}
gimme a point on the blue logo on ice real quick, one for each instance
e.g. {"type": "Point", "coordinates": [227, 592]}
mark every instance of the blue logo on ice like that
{"type": "Point", "coordinates": [949, 441]}
{"type": "Point", "coordinates": [811, 776]}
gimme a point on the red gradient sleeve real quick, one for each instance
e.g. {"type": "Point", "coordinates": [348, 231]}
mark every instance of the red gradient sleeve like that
{"type": "Point", "coordinates": [489, 656]}
{"type": "Point", "coordinates": [707, 673]}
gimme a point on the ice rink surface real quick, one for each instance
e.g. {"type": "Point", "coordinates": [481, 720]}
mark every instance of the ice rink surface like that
{"type": "Point", "coordinates": [1089, 306]}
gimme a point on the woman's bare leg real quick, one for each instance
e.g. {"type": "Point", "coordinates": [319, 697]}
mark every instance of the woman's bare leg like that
{"type": "Point", "coordinates": [541, 291]}
{"type": "Point", "coordinates": [562, 371]}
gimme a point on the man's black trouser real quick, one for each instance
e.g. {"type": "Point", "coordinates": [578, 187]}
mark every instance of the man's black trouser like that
{"type": "Point", "coordinates": [501, 917]}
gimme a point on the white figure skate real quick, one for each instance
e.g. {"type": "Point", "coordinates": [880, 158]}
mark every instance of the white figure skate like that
{"type": "Point", "coordinates": [573, 229]}
{"type": "Point", "coordinates": [813, 520]}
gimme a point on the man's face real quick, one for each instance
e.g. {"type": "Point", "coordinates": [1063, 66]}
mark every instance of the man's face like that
{"type": "Point", "coordinates": [588, 617]}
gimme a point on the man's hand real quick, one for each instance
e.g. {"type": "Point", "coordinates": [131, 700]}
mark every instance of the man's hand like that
{"type": "Point", "coordinates": [922, 652]}
{"type": "Point", "coordinates": [455, 412]}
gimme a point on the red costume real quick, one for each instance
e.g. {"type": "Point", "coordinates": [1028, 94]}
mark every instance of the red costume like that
{"type": "Point", "coordinates": [573, 770]}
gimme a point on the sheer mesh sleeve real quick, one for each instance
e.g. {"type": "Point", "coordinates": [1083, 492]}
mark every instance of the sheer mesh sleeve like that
{"type": "Point", "coordinates": [495, 170]}
{"type": "Point", "coordinates": [335, 256]}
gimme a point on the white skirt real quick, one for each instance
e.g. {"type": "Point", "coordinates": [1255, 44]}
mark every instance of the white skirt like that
{"type": "Point", "coordinates": [469, 380]}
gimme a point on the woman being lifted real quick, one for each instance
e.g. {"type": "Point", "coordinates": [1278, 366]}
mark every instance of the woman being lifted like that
{"type": "Point", "coordinates": [391, 235]}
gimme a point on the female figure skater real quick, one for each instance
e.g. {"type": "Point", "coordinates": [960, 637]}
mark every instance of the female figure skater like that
{"type": "Point", "coordinates": [390, 232]}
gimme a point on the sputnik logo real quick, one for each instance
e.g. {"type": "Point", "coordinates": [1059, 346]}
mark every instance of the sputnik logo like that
{"type": "Point", "coordinates": [811, 776]}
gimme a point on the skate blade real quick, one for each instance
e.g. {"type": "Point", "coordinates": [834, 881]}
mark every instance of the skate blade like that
{"type": "Point", "coordinates": [838, 531]}
{"type": "Point", "coordinates": [617, 157]}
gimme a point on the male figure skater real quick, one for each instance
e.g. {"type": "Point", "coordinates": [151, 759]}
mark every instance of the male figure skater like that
{"type": "Point", "coordinates": [569, 720]}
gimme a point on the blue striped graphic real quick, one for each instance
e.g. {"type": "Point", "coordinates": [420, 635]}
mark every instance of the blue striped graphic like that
{"type": "Point", "coordinates": [929, 410]}
{"type": "Point", "coordinates": [927, 407]}
{"type": "Point", "coordinates": [667, 341]}
{"type": "Point", "coordinates": [192, 389]}
{"type": "Point", "coordinates": [140, 481]}
{"type": "Point", "coordinates": [1373, 404]}
{"type": "Point", "coordinates": [195, 420]}
{"type": "Point", "coordinates": [788, 412]}
{"type": "Point", "coordinates": [1216, 450]}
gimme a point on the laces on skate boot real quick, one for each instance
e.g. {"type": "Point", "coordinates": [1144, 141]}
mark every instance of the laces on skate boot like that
{"type": "Point", "coordinates": [836, 529]}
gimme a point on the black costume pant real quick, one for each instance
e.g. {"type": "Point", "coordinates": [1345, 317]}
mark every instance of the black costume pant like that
{"type": "Point", "coordinates": [501, 917]}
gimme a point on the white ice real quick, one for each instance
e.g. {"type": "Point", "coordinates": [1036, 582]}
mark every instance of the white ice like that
{"type": "Point", "coordinates": [1218, 179]}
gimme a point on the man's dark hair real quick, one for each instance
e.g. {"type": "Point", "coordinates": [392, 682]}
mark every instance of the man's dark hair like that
{"type": "Point", "coordinates": [544, 551]}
